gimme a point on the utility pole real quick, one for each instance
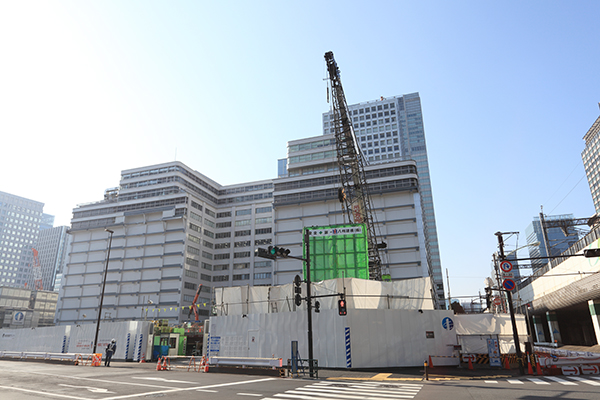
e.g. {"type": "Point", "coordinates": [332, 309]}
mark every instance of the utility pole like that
{"type": "Point", "coordinates": [512, 310]}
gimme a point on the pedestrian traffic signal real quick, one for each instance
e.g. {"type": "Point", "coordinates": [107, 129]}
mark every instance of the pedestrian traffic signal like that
{"type": "Point", "coordinates": [298, 300]}
{"type": "Point", "coordinates": [279, 251]}
{"type": "Point", "coordinates": [317, 306]}
{"type": "Point", "coordinates": [342, 306]}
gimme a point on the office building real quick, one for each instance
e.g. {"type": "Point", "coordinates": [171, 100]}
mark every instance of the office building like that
{"type": "Point", "coordinates": [19, 228]}
{"type": "Point", "coordinates": [47, 221]}
{"type": "Point", "coordinates": [391, 129]}
{"type": "Point", "coordinates": [551, 241]}
{"type": "Point", "coordinates": [24, 308]}
{"type": "Point", "coordinates": [591, 161]}
{"type": "Point", "coordinates": [174, 229]}
{"type": "Point", "coordinates": [308, 196]}
{"type": "Point", "coordinates": [52, 247]}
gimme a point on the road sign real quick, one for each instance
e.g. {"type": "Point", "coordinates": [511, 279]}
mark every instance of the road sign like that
{"type": "Point", "coordinates": [590, 369]}
{"type": "Point", "coordinates": [506, 266]}
{"type": "Point", "coordinates": [508, 284]}
{"type": "Point", "coordinates": [570, 370]}
{"type": "Point", "coordinates": [497, 300]}
{"type": "Point", "coordinates": [506, 275]}
{"type": "Point", "coordinates": [466, 357]}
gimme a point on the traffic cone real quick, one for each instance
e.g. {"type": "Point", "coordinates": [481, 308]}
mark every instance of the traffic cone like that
{"type": "Point", "coordinates": [430, 363]}
{"type": "Point", "coordinates": [158, 364]}
{"type": "Point", "coordinates": [470, 363]}
{"type": "Point", "coordinates": [206, 367]}
{"type": "Point", "coordinates": [506, 363]}
{"type": "Point", "coordinates": [529, 369]}
{"type": "Point", "coordinates": [164, 366]}
{"type": "Point", "coordinates": [538, 367]}
{"type": "Point", "coordinates": [143, 359]}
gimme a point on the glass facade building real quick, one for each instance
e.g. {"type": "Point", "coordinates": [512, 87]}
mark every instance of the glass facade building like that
{"type": "Point", "coordinates": [552, 242]}
{"type": "Point", "coordinates": [591, 161]}
{"type": "Point", "coordinates": [391, 129]}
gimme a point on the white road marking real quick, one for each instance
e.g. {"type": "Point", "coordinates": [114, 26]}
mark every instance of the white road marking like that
{"type": "Point", "coordinates": [90, 388]}
{"type": "Point", "coordinates": [491, 381]}
{"type": "Point", "coordinates": [173, 390]}
{"type": "Point", "coordinates": [249, 394]}
{"type": "Point", "coordinates": [515, 381]}
{"type": "Point", "coordinates": [206, 390]}
{"type": "Point", "coordinates": [162, 379]}
{"type": "Point", "coordinates": [64, 396]}
{"type": "Point", "coordinates": [538, 381]}
{"type": "Point", "coordinates": [577, 378]}
{"type": "Point", "coordinates": [382, 393]}
{"type": "Point", "coordinates": [561, 381]}
{"type": "Point", "coordinates": [101, 380]}
{"type": "Point", "coordinates": [299, 394]}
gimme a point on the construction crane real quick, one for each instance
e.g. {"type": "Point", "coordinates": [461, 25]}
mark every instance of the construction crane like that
{"type": "Point", "coordinates": [37, 271]}
{"type": "Point", "coordinates": [353, 192]}
{"type": "Point", "coordinates": [194, 307]}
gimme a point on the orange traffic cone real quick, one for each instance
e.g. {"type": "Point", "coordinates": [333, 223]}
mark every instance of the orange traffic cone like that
{"type": "Point", "coordinates": [538, 367]}
{"type": "Point", "coordinates": [529, 369]}
{"type": "Point", "coordinates": [470, 363]}
{"type": "Point", "coordinates": [430, 363]}
{"type": "Point", "coordinates": [158, 364]}
{"type": "Point", "coordinates": [506, 363]}
{"type": "Point", "coordinates": [206, 367]}
{"type": "Point", "coordinates": [143, 359]}
{"type": "Point", "coordinates": [164, 366]}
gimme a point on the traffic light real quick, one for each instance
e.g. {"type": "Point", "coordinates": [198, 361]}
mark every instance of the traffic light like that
{"type": "Point", "coordinates": [297, 290]}
{"type": "Point", "coordinates": [278, 252]}
{"type": "Point", "coordinates": [342, 306]}
{"type": "Point", "coordinates": [264, 253]}
{"type": "Point", "coordinates": [488, 297]}
{"type": "Point", "coordinates": [317, 306]}
{"type": "Point", "coordinates": [589, 253]}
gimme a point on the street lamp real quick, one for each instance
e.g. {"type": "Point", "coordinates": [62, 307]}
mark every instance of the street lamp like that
{"type": "Point", "coordinates": [103, 286]}
{"type": "Point", "coordinates": [149, 302]}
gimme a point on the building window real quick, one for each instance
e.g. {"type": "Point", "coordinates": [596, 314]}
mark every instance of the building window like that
{"type": "Point", "coordinates": [261, 210]}
{"type": "Point", "coordinates": [265, 220]}
{"type": "Point", "coordinates": [209, 234]}
{"type": "Point", "coordinates": [195, 216]}
{"type": "Point", "coordinates": [223, 256]}
{"type": "Point", "coordinates": [210, 212]}
{"type": "Point", "coordinates": [262, 264]}
{"type": "Point", "coordinates": [223, 235]}
{"type": "Point", "coordinates": [224, 214]}
{"type": "Point", "coordinates": [262, 275]}
{"type": "Point", "coordinates": [224, 224]}
{"type": "Point", "coordinates": [220, 278]}
{"type": "Point", "coordinates": [189, 285]}
{"type": "Point", "coordinates": [241, 266]}
{"type": "Point", "coordinates": [195, 227]}
{"type": "Point", "coordinates": [262, 231]}
{"type": "Point", "coordinates": [243, 222]}
{"type": "Point", "coordinates": [241, 254]}
{"type": "Point", "coordinates": [221, 267]}
{"type": "Point", "coordinates": [206, 266]}
{"type": "Point", "coordinates": [208, 222]}
{"type": "Point", "coordinates": [193, 250]}
{"type": "Point", "coordinates": [222, 245]}
{"type": "Point", "coordinates": [243, 212]}
{"type": "Point", "coordinates": [262, 242]}
{"type": "Point", "coordinates": [191, 274]}
{"type": "Point", "coordinates": [208, 244]}
{"type": "Point", "coordinates": [192, 262]}
{"type": "Point", "coordinates": [245, 243]}
{"type": "Point", "coordinates": [207, 255]}
{"type": "Point", "coordinates": [205, 277]}
{"type": "Point", "coordinates": [243, 233]}
{"type": "Point", "coordinates": [242, 277]}
{"type": "Point", "coordinates": [196, 205]}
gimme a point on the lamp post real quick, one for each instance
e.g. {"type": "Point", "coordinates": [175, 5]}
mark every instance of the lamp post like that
{"type": "Point", "coordinates": [150, 302]}
{"type": "Point", "coordinates": [103, 286]}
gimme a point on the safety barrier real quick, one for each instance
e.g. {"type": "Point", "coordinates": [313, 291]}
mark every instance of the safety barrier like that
{"type": "Point", "coordinates": [245, 362]}
{"type": "Point", "coordinates": [40, 355]}
{"type": "Point", "coordinates": [570, 365]}
{"type": "Point", "coordinates": [199, 367]}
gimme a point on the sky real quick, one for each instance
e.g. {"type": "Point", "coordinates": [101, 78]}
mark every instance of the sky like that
{"type": "Point", "coordinates": [508, 90]}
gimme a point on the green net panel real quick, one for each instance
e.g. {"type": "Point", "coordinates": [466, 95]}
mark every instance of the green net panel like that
{"type": "Point", "coordinates": [338, 251]}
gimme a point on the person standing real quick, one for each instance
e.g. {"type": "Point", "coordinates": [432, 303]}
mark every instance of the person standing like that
{"type": "Point", "coordinates": [110, 350]}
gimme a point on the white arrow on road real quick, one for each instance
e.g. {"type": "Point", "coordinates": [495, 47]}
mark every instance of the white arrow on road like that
{"type": "Point", "coordinates": [161, 379]}
{"type": "Point", "coordinates": [91, 389]}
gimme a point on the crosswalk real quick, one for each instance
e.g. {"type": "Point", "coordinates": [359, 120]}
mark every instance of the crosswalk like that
{"type": "Point", "coordinates": [548, 380]}
{"type": "Point", "coordinates": [350, 391]}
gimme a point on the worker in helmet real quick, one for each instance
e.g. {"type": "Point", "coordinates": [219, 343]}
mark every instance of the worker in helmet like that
{"type": "Point", "coordinates": [110, 350]}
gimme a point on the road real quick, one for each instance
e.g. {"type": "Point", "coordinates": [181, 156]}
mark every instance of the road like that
{"type": "Point", "coordinates": [36, 380]}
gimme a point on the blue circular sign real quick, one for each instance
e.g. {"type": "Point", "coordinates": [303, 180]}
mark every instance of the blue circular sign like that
{"type": "Point", "coordinates": [447, 323]}
{"type": "Point", "coordinates": [19, 316]}
{"type": "Point", "coordinates": [508, 284]}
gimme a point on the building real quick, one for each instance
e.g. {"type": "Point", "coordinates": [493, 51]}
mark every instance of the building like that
{"type": "Point", "coordinates": [174, 229]}
{"type": "Point", "coordinates": [551, 241]}
{"type": "Point", "coordinates": [20, 220]}
{"type": "Point", "coordinates": [391, 129]}
{"type": "Point", "coordinates": [591, 161]}
{"type": "Point", "coordinates": [52, 246]}
{"type": "Point", "coordinates": [23, 308]}
{"type": "Point", "coordinates": [308, 196]}
{"type": "Point", "coordinates": [47, 222]}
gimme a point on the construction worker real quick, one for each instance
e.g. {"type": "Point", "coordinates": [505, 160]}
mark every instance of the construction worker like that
{"type": "Point", "coordinates": [110, 350]}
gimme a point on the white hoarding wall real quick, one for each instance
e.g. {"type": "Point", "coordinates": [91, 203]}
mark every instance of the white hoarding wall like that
{"type": "Point", "coordinates": [473, 330]}
{"type": "Point", "coordinates": [131, 337]}
{"type": "Point", "coordinates": [409, 294]}
{"type": "Point", "coordinates": [375, 338]}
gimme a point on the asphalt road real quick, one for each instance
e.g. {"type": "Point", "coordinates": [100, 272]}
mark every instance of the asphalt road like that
{"type": "Point", "coordinates": [38, 380]}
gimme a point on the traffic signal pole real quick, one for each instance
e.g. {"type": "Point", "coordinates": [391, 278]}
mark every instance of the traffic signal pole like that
{"type": "Point", "coordinates": [309, 304]}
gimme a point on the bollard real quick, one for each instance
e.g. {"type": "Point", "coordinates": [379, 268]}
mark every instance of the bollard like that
{"type": "Point", "coordinates": [426, 373]}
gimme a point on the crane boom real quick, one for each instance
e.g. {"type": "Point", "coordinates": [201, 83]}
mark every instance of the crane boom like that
{"type": "Point", "coordinates": [354, 191]}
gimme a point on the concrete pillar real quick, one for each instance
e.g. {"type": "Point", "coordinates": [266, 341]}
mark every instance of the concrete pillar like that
{"type": "Point", "coordinates": [553, 327]}
{"type": "Point", "coordinates": [538, 328]}
{"type": "Point", "coordinates": [595, 314]}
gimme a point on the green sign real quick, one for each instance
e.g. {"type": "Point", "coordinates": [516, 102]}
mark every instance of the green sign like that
{"type": "Point", "coordinates": [338, 251]}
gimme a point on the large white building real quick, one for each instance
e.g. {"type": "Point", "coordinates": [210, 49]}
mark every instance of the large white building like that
{"type": "Point", "coordinates": [174, 229]}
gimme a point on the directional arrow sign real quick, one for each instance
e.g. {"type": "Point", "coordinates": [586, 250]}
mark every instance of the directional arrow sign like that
{"type": "Point", "coordinates": [506, 266]}
{"type": "Point", "coordinates": [570, 370]}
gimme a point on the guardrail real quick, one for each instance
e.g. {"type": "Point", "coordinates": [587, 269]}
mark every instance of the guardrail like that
{"type": "Point", "coordinates": [245, 362]}
{"type": "Point", "coordinates": [40, 355]}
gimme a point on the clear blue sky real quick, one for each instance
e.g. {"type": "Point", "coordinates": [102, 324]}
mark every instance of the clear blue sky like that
{"type": "Point", "coordinates": [508, 90]}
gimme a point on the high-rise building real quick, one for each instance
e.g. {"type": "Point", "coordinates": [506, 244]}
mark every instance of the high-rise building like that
{"type": "Point", "coordinates": [52, 253]}
{"type": "Point", "coordinates": [591, 161]}
{"type": "Point", "coordinates": [551, 241]}
{"type": "Point", "coordinates": [391, 129]}
{"type": "Point", "coordinates": [19, 229]}
{"type": "Point", "coordinates": [47, 221]}
{"type": "Point", "coordinates": [308, 196]}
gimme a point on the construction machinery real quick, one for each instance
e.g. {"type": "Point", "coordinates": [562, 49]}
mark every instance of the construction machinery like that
{"type": "Point", "coordinates": [194, 306]}
{"type": "Point", "coordinates": [353, 192]}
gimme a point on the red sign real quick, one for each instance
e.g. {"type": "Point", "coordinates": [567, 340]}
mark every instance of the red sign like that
{"type": "Point", "coordinates": [497, 300]}
{"type": "Point", "coordinates": [509, 284]}
{"type": "Point", "coordinates": [590, 369]}
{"type": "Point", "coordinates": [570, 370]}
{"type": "Point", "coordinates": [466, 357]}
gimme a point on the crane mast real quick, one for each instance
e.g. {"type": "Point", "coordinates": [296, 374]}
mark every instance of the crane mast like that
{"type": "Point", "coordinates": [354, 191]}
